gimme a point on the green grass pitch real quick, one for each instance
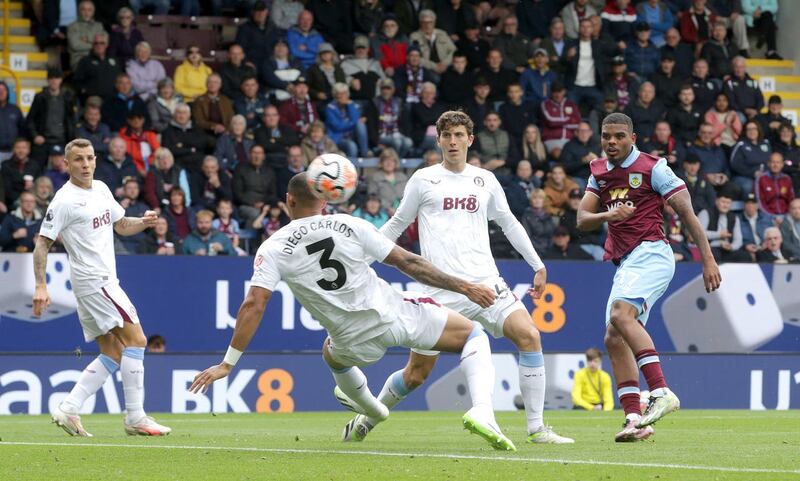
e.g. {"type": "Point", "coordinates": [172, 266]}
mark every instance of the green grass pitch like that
{"type": "Point", "coordinates": [688, 445]}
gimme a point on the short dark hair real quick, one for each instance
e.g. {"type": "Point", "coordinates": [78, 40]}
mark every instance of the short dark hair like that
{"type": "Point", "coordinates": [593, 353]}
{"type": "Point", "coordinates": [618, 118]}
{"type": "Point", "coordinates": [454, 118]}
{"type": "Point", "coordinates": [300, 190]}
{"type": "Point", "coordinates": [156, 340]}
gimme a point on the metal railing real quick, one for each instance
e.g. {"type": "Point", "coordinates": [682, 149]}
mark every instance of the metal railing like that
{"type": "Point", "coordinates": [6, 33]}
{"type": "Point", "coordinates": [6, 69]}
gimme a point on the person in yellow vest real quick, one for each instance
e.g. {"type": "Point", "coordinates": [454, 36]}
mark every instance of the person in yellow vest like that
{"type": "Point", "coordinates": [592, 388]}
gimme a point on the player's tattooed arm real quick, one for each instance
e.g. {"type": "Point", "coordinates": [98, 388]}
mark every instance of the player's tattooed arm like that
{"type": "Point", "coordinates": [40, 251]}
{"type": "Point", "coordinates": [423, 271]}
{"type": "Point", "coordinates": [682, 204]}
{"type": "Point", "coordinates": [128, 226]}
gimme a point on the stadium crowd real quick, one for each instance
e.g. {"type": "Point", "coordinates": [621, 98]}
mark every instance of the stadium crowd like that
{"type": "Point", "coordinates": [212, 145]}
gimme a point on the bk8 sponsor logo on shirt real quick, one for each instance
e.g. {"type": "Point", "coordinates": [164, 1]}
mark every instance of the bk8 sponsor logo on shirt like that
{"type": "Point", "coordinates": [102, 220]}
{"type": "Point", "coordinates": [469, 204]}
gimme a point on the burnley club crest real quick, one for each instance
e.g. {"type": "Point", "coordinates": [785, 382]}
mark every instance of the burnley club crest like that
{"type": "Point", "coordinates": [635, 180]}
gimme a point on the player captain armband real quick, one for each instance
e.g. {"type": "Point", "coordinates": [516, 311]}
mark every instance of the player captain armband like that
{"type": "Point", "coordinates": [232, 356]}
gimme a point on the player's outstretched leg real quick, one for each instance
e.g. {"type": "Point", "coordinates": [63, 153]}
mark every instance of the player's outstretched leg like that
{"type": "Point", "coordinates": [90, 381]}
{"type": "Point", "coordinates": [352, 385]}
{"type": "Point", "coordinates": [519, 329]}
{"type": "Point", "coordinates": [625, 371]}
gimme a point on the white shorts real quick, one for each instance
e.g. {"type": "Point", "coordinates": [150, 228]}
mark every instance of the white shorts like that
{"type": "Point", "coordinates": [492, 318]}
{"type": "Point", "coordinates": [104, 310]}
{"type": "Point", "coordinates": [418, 323]}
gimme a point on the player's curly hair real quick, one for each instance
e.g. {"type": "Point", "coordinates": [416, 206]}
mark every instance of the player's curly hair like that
{"type": "Point", "coordinates": [454, 118]}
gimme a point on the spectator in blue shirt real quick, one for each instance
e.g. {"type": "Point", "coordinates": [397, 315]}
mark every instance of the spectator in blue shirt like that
{"type": "Point", "coordinates": [204, 240]}
{"type": "Point", "coordinates": [12, 123]}
{"type": "Point", "coordinates": [93, 129]}
{"type": "Point", "coordinates": [345, 124]}
{"type": "Point", "coordinates": [373, 212]}
{"type": "Point", "coordinates": [537, 79]}
{"type": "Point", "coordinates": [656, 13]}
{"type": "Point", "coordinates": [642, 56]}
{"type": "Point", "coordinates": [303, 40]}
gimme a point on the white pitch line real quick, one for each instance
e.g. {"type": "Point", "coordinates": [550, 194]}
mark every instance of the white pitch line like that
{"type": "Point", "coordinates": [415, 455]}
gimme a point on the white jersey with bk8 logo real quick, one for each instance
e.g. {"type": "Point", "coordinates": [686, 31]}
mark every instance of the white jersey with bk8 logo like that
{"type": "Point", "coordinates": [453, 211]}
{"type": "Point", "coordinates": [85, 220]}
{"type": "Point", "coordinates": [325, 261]}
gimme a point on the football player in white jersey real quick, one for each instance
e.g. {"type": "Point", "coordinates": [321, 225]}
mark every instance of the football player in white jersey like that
{"type": "Point", "coordinates": [325, 261]}
{"type": "Point", "coordinates": [86, 215]}
{"type": "Point", "coordinates": [454, 202]}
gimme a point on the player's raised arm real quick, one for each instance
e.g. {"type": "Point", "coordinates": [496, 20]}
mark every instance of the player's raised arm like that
{"type": "Point", "coordinates": [41, 298]}
{"type": "Point", "coordinates": [247, 321]}
{"type": "Point", "coordinates": [423, 271]}
{"type": "Point", "coordinates": [681, 202]}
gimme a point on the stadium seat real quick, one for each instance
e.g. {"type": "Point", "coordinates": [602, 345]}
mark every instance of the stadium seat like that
{"type": "Point", "coordinates": [157, 37]}
{"type": "Point", "coordinates": [205, 39]}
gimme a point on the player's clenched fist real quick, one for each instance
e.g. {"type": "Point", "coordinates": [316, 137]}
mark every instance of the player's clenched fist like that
{"type": "Point", "coordinates": [206, 378]}
{"type": "Point", "coordinates": [481, 295]}
{"type": "Point", "coordinates": [149, 218]}
{"type": "Point", "coordinates": [41, 299]}
{"type": "Point", "coordinates": [621, 213]}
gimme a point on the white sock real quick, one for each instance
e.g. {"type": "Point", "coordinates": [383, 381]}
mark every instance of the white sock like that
{"type": "Point", "coordinates": [477, 366]}
{"type": "Point", "coordinates": [132, 368]}
{"type": "Point", "coordinates": [394, 390]}
{"type": "Point", "coordinates": [89, 382]}
{"type": "Point", "coordinates": [532, 385]}
{"type": "Point", "coordinates": [353, 382]}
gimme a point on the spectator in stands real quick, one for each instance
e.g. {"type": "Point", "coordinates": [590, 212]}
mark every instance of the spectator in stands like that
{"type": "Point", "coordinates": [498, 77]}
{"type": "Point", "coordinates": [537, 79]}
{"type": "Point", "coordinates": [191, 77]}
{"type": "Point", "coordinates": [257, 35]}
{"type": "Point", "coordinates": [372, 211]}
{"type": "Point", "coordinates": [478, 106]}
{"type": "Point", "coordinates": [161, 241]}
{"type": "Point", "coordinates": [124, 37]}
{"type": "Point", "coordinates": [538, 223]}
{"type": "Point", "coordinates": [82, 32]}
{"type": "Point", "coordinates": [589, 241]}
{"type": "Point", "coordinates": [284, 13]}
{"type": "Point", "coordinates": [164, 177]}
{"type": "Point", "coordinates": [730, 13]}
{"type": "Point", "coordinates": [279, 71]}
{"type": "Point", "coordinates": [139, 142]}
{"type": "Point", "coordinates": [295, 163]}
{"type": "Point", "coordinates": [125, 101]}
{"type": "Point", "coordinates": [657, 14]}
{"type": "Point", "coordinates": [424, 115]}
{"type": "Point", "coordinates": [274, 137]}
{"type": "Point", "coordinates": [388, 183]}
{"type": "Point", "coordinates": [790, 229]}
{"type": "Point", "coordinates": [592, 386]}
{"type": "Point", "coordinates": [235, 70]}
{"type": "Point", "coordinates": [774, 188]}
{"type": "Point", "coordinates": [572, 14]}
{"type": "Point", "coordinates": [621, 84]}
{"type": "Point", "coordinates": [12, 123]}
{"type": "Point", "coordinates": [474, 47]}
{"type": "Point", "coordinates": [389, 46]}
{"type": "Point", "coordinates": [204, 240]}
{"type": "Point", "coordinates": [726, 124]}
{"type": "Point", "coordinates": [58, 172]}
{"type": "Point", "coordinates": [92, 129]}
{"type": "Point", "coordinates": [787, 146]}
{"type": "Point", "coordinates": [304, 41]}
{"type": "Point", "coordinates": [18, 172]}
{"type": "Point", "coordinates": [226, 224]}
{"type": "Point", "coordinates": [586, 66]}
{"type": "Point", "coordinates": [749, 156]}
{"type": "Point", "coordinates": [20, 226]}
{"type": "Point", "coordinates": [161, 106]}
{"type": "Point", "coordinates": [773, 119]}
{"type": "Point", "coordinates": [345, 123]}
{"type": "Point", "coordinates": [534, 18]}
{"type": "Point", "coordinates": [180, 218]}
{"type": "Point", "coordinates": [705, 89]}
{"type": "Point", "coordinates": [667, 83]}
{"type": "Point", "coordinates": [742, 90]}
{"type": "Point", "coordinates": [760, 16]}
{"type": "Point", "coordinates": [683, 53]}
{"type": "Point", "coordinates": [43, 192]}
{"type": "Point", "coordinates": [564, 248]}
{"type": "Point", "coordinates": [133, 208]}
{"type": "Point", "coordinates": [160, 7]}
{"type": "Point", "coordinates": [713, 161]}
{"type": "Point", "coordinates": [516, 113]}
{"type": "Point", "coordinates": [334, 20]}
{"type": "Point", "coordinates": [645, 112]}
{"type": "Point", "coordinates": [685, 118]}
{"type": "Point", "coordinates": [754, 222]}
{"type": "Point", "coordinates": [515, 48]}
{"type": "Point", "coordinates": [619, 19]}
{"type": "Point", "coordinates": [233, 146]}
{"type": "Point", "coordinates": [533, 151]}
{"type": "Point", "coordinates": [210, 185]}
{"type": "Point", "coordinates": [496, 147]}
{"type": "Point", "coordinates": [718, 52]}
{"type": "Point", "coordinates": [212, 111]}
{"type": "Point", "coordinates": [361, 72]}
{"type": "Point", "coordinates": [435, 45]}
{"type": "Point", "coordinates": [387, 120]}
{"type": "Point", "coordinates": [156, 343]}
{"type": "Point", "coordinates": [145, 72]}
{"type": "Point", "coordinates": [317, 142]}
{"type": "Point", "coordinates": [723, 230]}
{"type": "Point", "coordinates": [298, 112]}
{"type": "Point", "coordinates": [599, 113]}
{"type": "Point", "coordinates": [454, 16]}
{"type": "Point", "coordinates": [696, 24]}
{"type": "Point", "coordinates": [663, 144]}
{"type": "Point", "coordinates": [185, 140]}
{"type": "Point", "coordinates": [324, 73]}
{"type": "Point", "coordinates": [700, 189]}
{"type": "Point", "coordinates": [525, 179]}
{"type": "Point", "coordinates": [642, 56]}
{"type": "Point", "coordinates": [251, 103]}
{"type": "Point", "coordinates": [253, 186]}
{"type": "Point", "coordinates": [557, 187]}
{"type": "Point", "coordinates": [93, 74]}
{"type": "Point", "coordinates": [409, 78]}
{"type": "Point", "coordinates": [579, 152]}
{"type": "Point", "coordinates": [269, 221]}
{"type": "Point", "coordinates": [560, 118]}
{"type": "Point", "coordinates": [459, 80]}
{"type": "Point", "coordinates": [116, 166]}
{"type": "Point", "coordinates": [774, 251]}
{"type": "Point", "coordinates": [51, 119]}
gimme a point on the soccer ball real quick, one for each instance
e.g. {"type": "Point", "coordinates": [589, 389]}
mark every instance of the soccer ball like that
{"type": "Point", "coordinates": [332, 178]}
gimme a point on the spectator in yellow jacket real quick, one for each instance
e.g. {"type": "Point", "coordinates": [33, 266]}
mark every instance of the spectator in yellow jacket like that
{"type": "Point", "coordinates": [191, 75]}
{"type": "Point", "coordinates": [592, 388]}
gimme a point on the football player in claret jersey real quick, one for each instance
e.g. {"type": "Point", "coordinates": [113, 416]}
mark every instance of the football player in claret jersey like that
{"type": "Point", "coordinates": [628, 189]}
{"type": "Point", "coordinates": [86, 215]}
{"type": "Point", "coordinates": [454, 202]}
{"type": "Point", "coordinates": [325, 261]}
